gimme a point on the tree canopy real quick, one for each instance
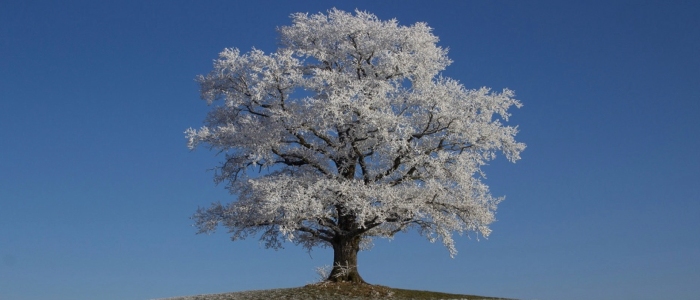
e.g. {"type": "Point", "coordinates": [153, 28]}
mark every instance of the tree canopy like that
{"type": "Point", "coordinates": [348, 132]}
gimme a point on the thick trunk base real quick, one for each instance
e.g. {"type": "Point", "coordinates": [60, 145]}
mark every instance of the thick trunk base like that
{"type": "Point", "coordinates": [353, 277]}
{"type": "Point", "coordinates": [345, 261]}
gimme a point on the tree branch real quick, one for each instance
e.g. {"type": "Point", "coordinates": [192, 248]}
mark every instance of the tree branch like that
{"type": "Point", "coordinates": [286, 159]}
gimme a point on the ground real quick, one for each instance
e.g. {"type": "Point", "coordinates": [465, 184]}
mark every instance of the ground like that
{"type": "Point", "coordinates": [339, 291]}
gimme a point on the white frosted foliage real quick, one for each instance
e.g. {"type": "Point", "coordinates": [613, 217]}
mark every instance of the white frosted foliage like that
{"type": "Point", "coordinates": [349, 129]}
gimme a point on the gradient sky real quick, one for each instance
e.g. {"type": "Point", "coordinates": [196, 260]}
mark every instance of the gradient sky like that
{"type": "Point", "coordinates": [97, 184]}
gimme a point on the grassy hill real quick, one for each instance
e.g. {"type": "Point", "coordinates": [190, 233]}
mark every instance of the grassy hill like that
{"type": "Point", "coordinates": [340, 291]}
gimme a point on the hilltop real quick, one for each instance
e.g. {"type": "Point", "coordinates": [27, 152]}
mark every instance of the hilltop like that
{"type": "Point", "coordinates": [340, 291]}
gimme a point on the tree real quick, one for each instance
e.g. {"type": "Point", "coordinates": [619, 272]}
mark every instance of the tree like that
{"type": "Point", "coordinates": [348, 133]}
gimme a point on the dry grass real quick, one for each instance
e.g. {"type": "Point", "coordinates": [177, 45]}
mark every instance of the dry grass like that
{"type": "Point", "coordinates": [339, 291]}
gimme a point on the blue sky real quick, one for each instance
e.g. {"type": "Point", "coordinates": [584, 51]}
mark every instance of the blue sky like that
{"type": "Point", "coordinates": [97, 184]}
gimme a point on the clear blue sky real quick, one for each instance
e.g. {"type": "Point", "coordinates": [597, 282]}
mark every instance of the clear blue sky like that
{"type": "Point", "coordinates": [97, 185]}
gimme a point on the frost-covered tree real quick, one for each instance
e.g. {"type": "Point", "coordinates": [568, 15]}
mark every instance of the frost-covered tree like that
{"type": "Point", "coordinates": [347, 133]}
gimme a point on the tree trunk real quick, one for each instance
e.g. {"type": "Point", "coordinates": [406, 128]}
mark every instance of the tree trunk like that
{"type": "Point", "coordinates": [345, 260]}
